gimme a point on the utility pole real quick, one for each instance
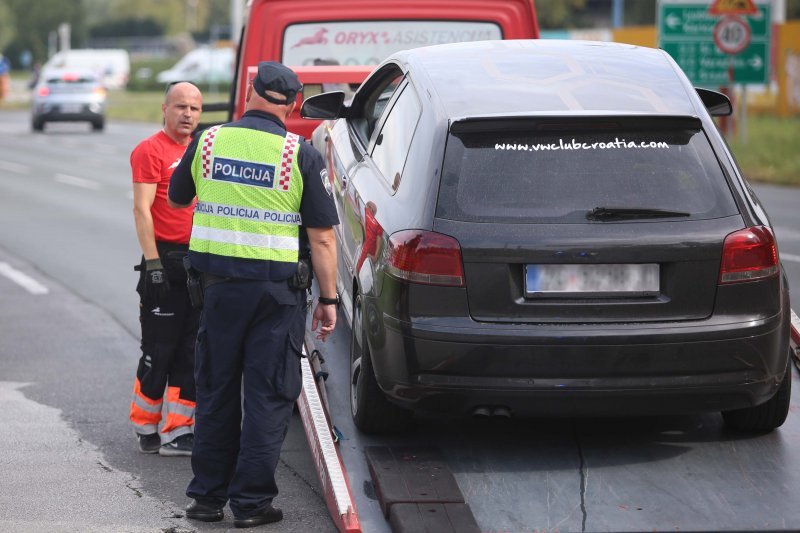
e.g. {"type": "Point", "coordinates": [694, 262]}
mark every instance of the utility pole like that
{"type": "Point", "coordinates": [617, 13]}
{"type": "Point", "coordinates": [237, 10]}
{"type": "Point", "coordinates": [64, 35]}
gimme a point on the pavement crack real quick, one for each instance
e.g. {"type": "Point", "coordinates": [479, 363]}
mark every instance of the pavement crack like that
{"type": "Point", "coordinates": [105, 467]}
{"type": "Point", "coordinates": [136, 491]}
{"type": "Point", "coordinates": [313, 487]}
{"type": "Point", "coordinates": [584, 472]}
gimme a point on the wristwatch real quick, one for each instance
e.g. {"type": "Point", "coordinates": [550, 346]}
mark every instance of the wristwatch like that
{"type": "Point", "coordinates": [330, 301]}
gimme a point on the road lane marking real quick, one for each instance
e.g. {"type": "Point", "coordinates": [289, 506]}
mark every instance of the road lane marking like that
{"type": "Point", "coordinates": [22, 279]}
{"type": "Point", "coordinates": [77, 182]}
{"type": "Point", "coordinates": [15, 167]}
{"type": "Point", "coordinates": [790, 257]}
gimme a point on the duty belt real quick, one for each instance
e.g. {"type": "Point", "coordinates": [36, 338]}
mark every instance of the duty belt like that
{"type": "Point", "coordinates": [209, 279]}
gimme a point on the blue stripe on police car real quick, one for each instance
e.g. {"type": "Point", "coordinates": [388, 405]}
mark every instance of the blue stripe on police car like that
{"type": "Point", "coordinates": [243, 172]}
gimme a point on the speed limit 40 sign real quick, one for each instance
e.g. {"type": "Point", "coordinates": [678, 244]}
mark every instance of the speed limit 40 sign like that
{"type": "Point", "coordinates": [732, 34]}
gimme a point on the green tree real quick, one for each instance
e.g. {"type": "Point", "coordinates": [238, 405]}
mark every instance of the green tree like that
{"type": "Point", "coordinates": [639, 13]}
{"type": "Point", "coordinates": [34, 23]}
{"type": "Point", "coordinates": [7, 24]}
{"type": "Point", "coordinates": [557, 14]}
{"type": "Point", "coordinates": [792, 9]}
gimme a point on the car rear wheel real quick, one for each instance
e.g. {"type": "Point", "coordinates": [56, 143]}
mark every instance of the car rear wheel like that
{"type": "Point", "coordinates": [37, 124]}
{"type": "Point", "coordinates": [372, 412]}
{"type": "Point", "coordinates": [98, 125]}
{"type": "Point", "coordinates": [767, 416]}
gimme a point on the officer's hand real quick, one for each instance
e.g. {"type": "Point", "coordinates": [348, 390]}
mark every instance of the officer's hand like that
{"type": "Point", "coordinates": [324, 315]}
{"type": "Point", "coordinates": [156, 283]}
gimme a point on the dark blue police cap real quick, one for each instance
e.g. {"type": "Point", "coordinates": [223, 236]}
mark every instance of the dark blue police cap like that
{"type": "Point", "coordinates": [277, 77]}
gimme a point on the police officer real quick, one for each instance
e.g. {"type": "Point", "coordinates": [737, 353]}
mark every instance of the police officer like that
{"type": "Point", "coordinates": [262, 200]}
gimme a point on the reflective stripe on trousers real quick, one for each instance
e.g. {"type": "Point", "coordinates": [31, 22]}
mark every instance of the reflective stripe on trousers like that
{"type": "Point", "coordinates": [145, 413]}
{"type": "Point", "coordinates": [180, 415]}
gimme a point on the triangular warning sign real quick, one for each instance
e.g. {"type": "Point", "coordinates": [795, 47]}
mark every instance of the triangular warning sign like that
{"type": "Point", "coordinates": [733, 7]}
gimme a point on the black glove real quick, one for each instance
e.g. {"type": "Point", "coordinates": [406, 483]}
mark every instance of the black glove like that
{"type": "Point", "coordinates": [156, 282]}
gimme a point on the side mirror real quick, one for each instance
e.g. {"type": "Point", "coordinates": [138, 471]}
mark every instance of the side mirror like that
{"type": "Point", "coordinates": [717, 103]}
{"type": "Point", "coordinates": [324, 106]}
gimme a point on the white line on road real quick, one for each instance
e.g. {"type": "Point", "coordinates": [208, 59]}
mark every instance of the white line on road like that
{"type": "Point", "coordinates": [77, 182]}
{"type": "Point", "coordinates": [790, 257]}
{"type": "Point", "coordinates": [14, 167]}
{"type": "Point", "coordinates": [22, 279]}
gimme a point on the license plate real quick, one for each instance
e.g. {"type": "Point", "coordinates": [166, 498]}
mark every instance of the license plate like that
{"type": "Point", "coordinates": [71, 108]}
{"type": "Point", "coordinates": [592, 281]}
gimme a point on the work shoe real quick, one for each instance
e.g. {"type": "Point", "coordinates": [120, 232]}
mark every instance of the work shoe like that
{"type": "Point", "coordinates": [179, 446]}
{"type": "Point", "coordinates": [267, 515]}
{"type": "Point", "coordinates": [204, 513]}
{"type": "Point", "coordinates": [148, 443]}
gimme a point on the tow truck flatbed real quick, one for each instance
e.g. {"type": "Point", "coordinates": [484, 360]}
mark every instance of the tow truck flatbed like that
{"type": "Point", "coordinates": [600, 474]}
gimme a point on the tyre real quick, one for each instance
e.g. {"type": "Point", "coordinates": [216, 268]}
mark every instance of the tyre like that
{"type": "Point", "coordinates": [98, 125]}
{"type": "Point", "coordinates": [767, 416]}
{"type": "Point", "coordinates": [372, 412]}
{"type": "Point", "coordinates": [37, 124]}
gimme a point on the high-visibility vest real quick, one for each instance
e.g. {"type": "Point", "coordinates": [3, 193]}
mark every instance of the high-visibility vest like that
{"type": "Point", "coordinates": [248, 191]}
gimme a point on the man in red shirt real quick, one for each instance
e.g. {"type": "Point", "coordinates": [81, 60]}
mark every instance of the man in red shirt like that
{"type": "Point", "coordinates": [169, 322]}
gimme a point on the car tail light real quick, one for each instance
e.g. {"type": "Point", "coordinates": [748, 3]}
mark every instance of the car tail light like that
{"type": "Point", "coordinates": [99, 91]}
{"type": "Point", "coordinates": [43, 91]}
{"type": "Point", "coordinates": [425, 257]}
{"type": "Point", "coordinates": [747, 255]}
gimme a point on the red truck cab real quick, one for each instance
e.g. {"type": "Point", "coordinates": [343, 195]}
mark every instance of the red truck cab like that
{"type": "Point", "coordinates": [335, 43]}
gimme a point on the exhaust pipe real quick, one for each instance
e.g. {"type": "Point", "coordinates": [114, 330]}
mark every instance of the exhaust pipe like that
{"type": "Point", "coordinates": [482, 412]}
{"type": "Point", "coordinates": [501, 412]}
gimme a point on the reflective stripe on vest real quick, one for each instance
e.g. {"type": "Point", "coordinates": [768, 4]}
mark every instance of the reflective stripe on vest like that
{"type": "Point", "coordinates": [249, 193]}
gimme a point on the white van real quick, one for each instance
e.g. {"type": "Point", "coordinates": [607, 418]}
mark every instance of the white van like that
{"type": "Point", "coordinates": [111, 64]}
{"type": "Point", "coordinates": [202, 65]}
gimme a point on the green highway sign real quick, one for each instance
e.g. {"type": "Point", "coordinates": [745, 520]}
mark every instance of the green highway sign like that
{"type": "Point", "coordinates": [697, 41]}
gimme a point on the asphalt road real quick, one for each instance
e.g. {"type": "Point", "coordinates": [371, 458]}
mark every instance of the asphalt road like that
{"type": "Point", "coordinates": [68, 353]}
{"type": "Point", "coordinates": [66, 221]}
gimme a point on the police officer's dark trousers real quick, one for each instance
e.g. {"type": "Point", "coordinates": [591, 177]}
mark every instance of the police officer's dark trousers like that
{"type": "Point", "coordinates": [169, 330]}
{"type": "Point", "coordinates": [250, 336]}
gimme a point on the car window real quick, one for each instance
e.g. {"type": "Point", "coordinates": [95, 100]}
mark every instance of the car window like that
{"type": "Point", "coordinates": [371, 101]}
{"type": "Point", "coordinates": [69, 83]}
{"type": "Point", "coordinates": [559, 176]}
{"type": "Point", "coordinates": [394, 140]}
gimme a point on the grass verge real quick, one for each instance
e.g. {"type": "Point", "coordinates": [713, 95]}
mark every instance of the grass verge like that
{"type": "Point", "coordinates": [770, 154]}
{"type": "Point", "coordinates": [146, 106]}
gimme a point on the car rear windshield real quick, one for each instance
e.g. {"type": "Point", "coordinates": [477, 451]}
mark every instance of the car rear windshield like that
{"type": "Point", "coordinates": [368, 42]}
{"type": "Point", "coordinates": [71, 84]}
{"type": "Point", "coordinates": [561, 172]}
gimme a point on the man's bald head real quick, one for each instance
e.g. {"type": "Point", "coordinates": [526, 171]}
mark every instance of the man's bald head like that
{"type": "Point", "coordinates": [182, 105]}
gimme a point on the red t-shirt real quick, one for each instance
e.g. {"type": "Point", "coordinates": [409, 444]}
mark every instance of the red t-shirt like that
{"type": "Point", "coordinates": [153, 161]}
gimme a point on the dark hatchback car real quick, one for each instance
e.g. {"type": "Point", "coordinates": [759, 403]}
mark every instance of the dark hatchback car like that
{"type": "Point", "coordinates": [550, 228]}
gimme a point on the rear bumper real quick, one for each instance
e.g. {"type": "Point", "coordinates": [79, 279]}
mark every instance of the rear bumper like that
{"type": "Point", "coordinates": [53, 113]}
{"type": "Point", "coordinates": [86, 116]}
{"type": "Point", "coordinates": [611, 369]}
